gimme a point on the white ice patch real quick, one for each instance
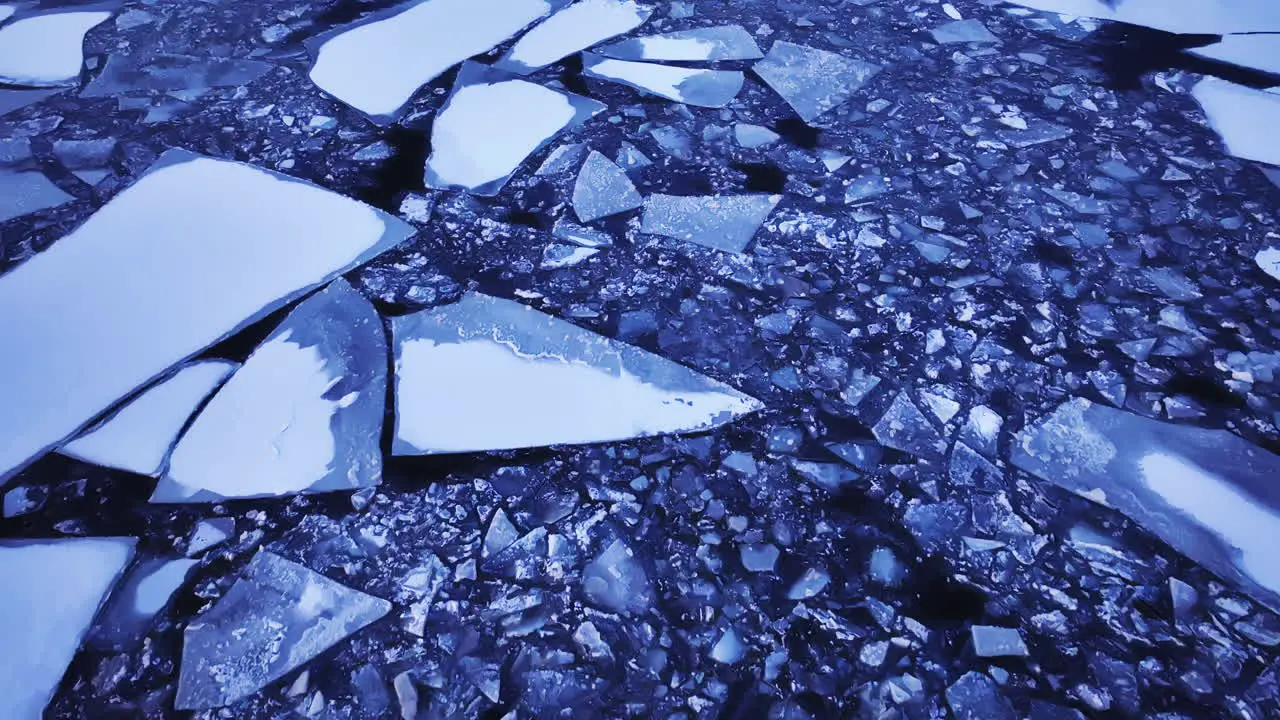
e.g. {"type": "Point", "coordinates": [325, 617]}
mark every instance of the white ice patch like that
{"type": "Point", "coordinates": [1245, 118]}
{"type": "Point", "coordinates": [46, 49]}
{"type": "Point", "coordinates": [577, 27]}
{"type": "Point", "coordinates": [1260, 52]}
{"type": "Point", "coordinates": [694, 86]}
{"type": "Point", "coordinates": [6, 11]}
{"type": "Point", "coordinates": [669, 48]}
{"type": "Point", "coordinates": [152, 592]}
{"type": "Point", "coordinates": [1212, 17]}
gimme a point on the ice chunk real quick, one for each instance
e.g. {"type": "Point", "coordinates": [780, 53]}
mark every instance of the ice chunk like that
{"type": "Point", "coordinates": [146, 589]}
{"type": "Point", "coordinates": [139, 436]}
{"type": "Point", "coordinates": [304, 413]}
{"type": "Point", "coordinates": [812, 81]}
{"type": "Point", "coordinates": [729, 649]}
{"type": "Point", "coordinates": [574, 28]}
{"type": "Point", "coordinates": [46, 50]}
{"type": "Point", "coordinates": [994, 641]}
{"type": "Point", "coordinates": [617, 582]}
{"type": "Point", "coordinates": [377, 64]}
{"type": "Point", "coordinates": [1244, 118]}
{"type": "Point", "coordinates": [50, 594]}
{"type": "Point", "coordinates": [966, 31]}
{"type": "Point", "coordinates": [491, 123]}
{"type": "Point", "coordinates": [562, 159]}
{"type": "Point", "coordinates": [692, 86]}
{"type": "Point", "coordinates": [1207, 493]}
{"type": "Point", "coordinates": [975, 697]}
{"type": "Point", "coordinates": [1212, 17]}
{"type": "Point", "coordinates": [1260, 52]}
{"type": "Point", "coordinates": [557, 256]}
{"type": "Point", "coordinates": [491, 374]}
{"type": "Point", "coordinates": [1269, 260]}
{"type": "Point", "coordinates": [276, 617]}
{"type": "Point", "coordinates": [603, 189]}
{"type": "Point", "coordinates": [209, 533]}
{"type": "Point", "coordinates": [903, 427]}
{"type": "Point", "coordinates": [723, 222]}
{"type": "Point", "coordinates": [11, 99]}
{"type": "Point", "coordinates": [142, 76]}
{"type": "Point", "coordinates": [759, 558]}
{"type": "Point", "coordinates": [754, 136]}
{"type": "Point", "coordinates": [724, 42]}
{"type": "Point", "coordinates": [22, 193]}
{"type": "Point", "coordinates": [1037, 132]}
{"type": "Point", "coordinates": [122, 299]}
{"type": "Point", "coordinates": [6, 11]}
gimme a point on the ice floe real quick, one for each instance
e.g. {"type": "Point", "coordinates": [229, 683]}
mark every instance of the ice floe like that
{"type": "Point", "coordinates": [1244, 118]}
{"type": "Point", "coordinates": [45, 50]}
{"type": "Point", "coordinates": [723, 222]}
{"type": "Point", "coordinates": [603, 189]}
{"type": "Point", "coordinates": [812, 81]}
{"type": "Point", "coordinates": [1260, 52]}
{"type": "Point", "coordinates": [22, 193]}
{"type": "Point", "coordinates": [1209, 17]}
{"type": "Point", "coordinates": [1269, 260]}
{"type": "Point", "coordinates": [724, 42]}
{"type": "Point", "coordinates": [692, 86]}
{"type": "Point", "coordinates": [577, 27]}
{"type": "Point", "coordinates": [491, 374]}
{"type": "Point", "coordinates": [146, 589]}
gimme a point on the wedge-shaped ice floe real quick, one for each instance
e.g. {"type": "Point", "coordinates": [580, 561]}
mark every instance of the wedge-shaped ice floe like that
{"type": "Point", "coordinates": [603, 189]}
{"type": "Point", "coordinates": [1259, 52]}
{"type": "Point", "coordinates": [491, 374]}
{"type": "Point", "coordinates": [22, 193]}
{"type": "Point", "coordinates": [277, 616]}
{"type": "Point", "coordinates": [1208, 493]}
{"type": "Point", "coordinates": [377, 64]}
{"type": "Point", "coordinates": [50, 594]}
{"type": "Point", "coordinates": [723, 222]}
{"type": "Point", "coordinates": [145, 591]}
{"type": "Point", "coordinates": [46, 50]}
{"type": "Point", "coordinates": [692, 86]}
{"type": "Point", "coordinates": [195, 250]}
{"type": "Point", "coordinates": [1210, 17]}
{"type": "Point", "coordinates": [304, 413]}
{"type": "Point", "coordinates": [1245, 119]}
{"type": "Point", "coordinates": [724, 42]}
{"type": "Point", "coordinates": [574, 28]}
{"type": "Point", "coordinates": [812, 81]}
{"type": "Point", "coordinates": [139, 436]}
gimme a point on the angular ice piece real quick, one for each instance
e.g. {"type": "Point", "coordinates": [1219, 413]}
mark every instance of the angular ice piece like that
{"type": "Point", "coordinates": [724, 42]}
{"type": "Point", "coordinates": [1208, 493]}
{"type": "Point", "coordinates": [754, 136]}
{"type": "Point", "coordinates": [304, 413]}
{"type": "Point", "coordinates": [1210, 17]}
{"type": "Point", "coordinates": [562, 159]}
{"type": "Point", "coordinates": [812, 81]}
{"type": "Point", "coordinates": [1244, 118]}
{"type": "Point", "coordinates": [692, 86]}
{"type": "Point", "coordinates": [146, 589]}
{"type": "Point", "coordinates": [966, 31]}
{"type": "Point", "coordinates": [729, 649]}
{"type": "Point", "coordinates": [133, 76]}
{"type": "Point", "coordinates": [276, 617]}
{"type": "Point", "coordinates": [1269, 260]}
{"type": "Point", "coordinates": [579, 235]}
{"type": "Point", "coordinates": [51, 591]}
{"type": "Point", "coordinates": [490, 374]}
{"type": "Point", "coordinates": [557, 256]}
{"type": "Point", "coordinates": [723, 222]}
{"type": "Point", "coordinates": [975, 697]}
{"type": "Point", "coordinates": [603, 189]}
{"type": "Point", "coordinates": [251, 241]}
{"type": "Point", "coordinates": [616, 581]}
{"type": "Point", "coordinates": [46, 50]}
{"type": "Point", "coordinates": [491, 123]}
{"type": "Point", "coordinates": [6, 11]}
{"type": "Point", "coordinates": [1260, 52]}
{"type": "Point", "coordinates": [574, 28]}
{"type": "Point", "coordinates": [376, 64]}
{"type": "Point", "coordinates": [11, 100]}
{"type": "Point", "coordinates": [210, 533]}
{"type": "Point", "coordinates": [995, 641]}
{"type": "Point", "coordinates": [1037, 132]}
{"type": "Point", "coordinates": [903, 427]}
{"type": "Point", "coordinates": [22, 193]}
{"type": "Point", "coordinates": [140, 435]}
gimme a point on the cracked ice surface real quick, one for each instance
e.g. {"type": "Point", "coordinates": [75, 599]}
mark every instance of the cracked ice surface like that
{"type": "Point", "coordinates": [574, 28]}
{"type": "Point", "coordinates": [1214, 17]}
{"type": "Point", "coordinates": [1245, 118]}
{"type": "Point", "coordinates": [722, 222]}
{"type": "Point", "coordinates": [692, 86]}
{"type": "Point", "coordinates": [491, 374]}
{"type": "Point", "coordinates": [725, 42]}
{"type": "Point", "coordinates": [812, 81]}
{"type": "Point", "coordinates": [45, 50]}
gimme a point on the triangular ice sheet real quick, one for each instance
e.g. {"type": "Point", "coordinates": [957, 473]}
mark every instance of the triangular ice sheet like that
{"type": "Point", "coordinates": [574, 28]}
{"type": "Point", "coordinates": [812, 81]}
{"type": "Point", "coordinates": [1207, 17]}
{"type": "Point", "coordinates": [692, 86]}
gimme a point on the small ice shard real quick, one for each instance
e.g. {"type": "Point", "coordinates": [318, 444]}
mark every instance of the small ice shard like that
{"type": "Point", "coordinates": [692, 86]}
{"type": "Point", "coordinates": [1269, 260]}
{"type": "Point", "coordinates": [179, 75]}
{"type": "Point", "coordinates": [210, 533]}
{"type": "Point", "coordinates": [579, 235]}
{"type": "Point", "coordinates": [139, 436]}
{"type": "Point", "coordinates": [84, 154]}
{"type": "Point", "coordinates": [1244, 118]}
{"type": "Point", "coordinates": [557, 256]}
{"type": "Point", "coordinates": [722, 222]}
{"type": "Point", "coordinates": [723, 42]}
{"type": "Point", "coordinates": [1213, 17]}
{"type": "Point", "coordinates": [833, 160]}
{"type": "Point", "coordinates": [1037, 132]}
{"type": "Point", "coordinates": [574, 28]}
{"type": "Point", "coordinates": [603, 189]}
{"type": "Point", "coordinates": [994, 641]}
{"type": "Point", "coordinates": [45, 50]}
{"type": "Point", "coordinates": [812, 81]}
{"type": "Point", "coordinates": [6, 11]}
{"type": "Point", "coordinates": [617, 582]}
{"type": "Point", "coordinates": [303, 414]}
{"type": "Point", "coordinates": [1208, 493]}
{"type": "Point", "coordinates": [966, 31]}
{"type": "Point", "coordinates": [811, 582]}
{"type": "Point", "coordinates": [51, 591]}
{"type": "Point", "coordinates": [22, 193]}
{"type": "Point", "coordinates": [630, 157]}
{"type": "Point", "coordinates": [562, 159]}
{"type": "Point", "coordinates": [903, 427]}
{"type": "Point", "coordinates": [517, 378]}
{"type": "Point", "coordinates": [252, 241]}
{"type": "Point", "coordinates": [145, 591]}
{"type": "Point", "coordinates": [759, 558]}
{"type": "Point", "coordinates": [277, 616]}
{"type": "Point", "coordinates": [1260, 52]}
{"type": "Point", "coordinates": [491, 123]}
{"type": "Point", "coordinates": [377, 64]}
{"type": "Point", "coordinates": [754, 136]}
{"type": "Point", "coordinates": [975, 697]}
{"type": "Point", "coordinates": [729, 649]}
{"type": "Point", "coordinates": [500, 535]}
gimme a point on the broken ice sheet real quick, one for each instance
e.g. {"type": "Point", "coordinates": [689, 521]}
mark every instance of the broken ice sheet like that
{"type": "Point", "coordinates": [723, 222]}
{"type": "Point", "coordinates": [304, 413]}
{"type": "Point", "coordinates": [22, 193]}
{"type": "Point", "coordinates": [121, 299]}
{"type": "Point", "coordinates": [134, 76]}
{"type": "Point", "coordinates": [491, 374]}
{"type": "Point", "coordinates": [812, 81]}
{"type": "Point", "coordinates": [1212, 17]}
{"type": "Point", "coordinates": [1260, 52]}
{"type": "Point", "coordinates": [574, 28]}
{"type": "Point", "coordinates": [491, 123]}
{"type": "Point", "coordinates": [50, 594]}
{"type": "Point", "coordinates": [1208, 493]}
{"type": "Point", "coordinates": [145, 591]}
{"type": "Point", "coordinates": [603, 189]}
{"type": "Point", "coordinates": [724, 42]}
{"type": "Point", "coordinates": [277, 616]}
{"type": "Point", "coordinates": [692, 86]}
{"type": "Point", "coordinates": [1244, 118]}
{"type": "Point", "coordinates": [45, 50]}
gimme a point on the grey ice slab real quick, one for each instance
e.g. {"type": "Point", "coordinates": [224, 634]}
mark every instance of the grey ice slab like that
{"type": "Point", "coordinates": [46, 50]}
{"type": "Point", "coordinates": [276, 617]}
{"type": "Point", "coordinates": [1245, 119]}
{"type": "Point", "coordinates": [491, 123]}
{"type": "Point", "coordinates": [966, 31]}
{"type": "Point", "coordinates": [1269, 260]}
{"type": "Point", "coordinates": [812, 81]}
{"type": "Point", "coordinates": [574, 28]}
{"type": "Point", "coordinates": [145, 591]}
{"type": "Point", "coordinates": [723, 222]}
{"type": "Point", "coordinates": [11, 100]}
{"type": "Point", "coordinates": [304, 413]}
{"type": "Point", "coordinates": [50, 594]}
{"type": "Point", "coordinates": [1208, 493]}
{"type": "Point", "coordinates": [724, 42]}
{"type": "Point", "coordinates": [193, 251]}
{"type": "Point", "coordinates": [1260, 52]}
{"type": "Point", "coordinates": [491, 374]}
{"type": "Point", "coordinates": [22, 193]}
{"type": "Point", "coordinates": [692, 86]}
{"type": "Point", "coordinates": [1210, 17]}
{"type": "Point", "coordinates": [128, 75]}
{"type": "Point", "coordinates": [603, 189]}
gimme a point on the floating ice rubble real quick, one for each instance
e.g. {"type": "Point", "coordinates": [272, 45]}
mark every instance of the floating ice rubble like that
{"type": "Point", "coordinates": [1245, 118]}
{"type": "Point", "coordinates": [812, 81]}
{"type": "Point", "coordinates": [574, 28]}
{"type": "Point", "coordinates": [46, 50]}
{"type": "Point", "coordinates": [692, 86]}
{"type": "Point", "coordinates": [22, 193]}
{"type": "Point", "coordinates": [1208, 493]}
{"type": "Point", "coordinates": [50, 594]}
{"type": "Point", "coordinates": [724, 42]}
{"type": "Point", "coordinates": [723, 222]}
{"type": "Point", "coordinates": [1260, 52]}
{"type": "Point", "coordinates": [304, 413]}
{"type": "Point", "coordinates": [125, 297]}
{"type": "Point", "coordinates": [491, 374]}
{"type": "Point", "coordinates": [277, 616]}
{"type": "Point", "coordinates": [603, 189]}
{"type": "Point", "coordinates": [1210, 17]}
{"type": "Point", "coordinates": [145, 591]}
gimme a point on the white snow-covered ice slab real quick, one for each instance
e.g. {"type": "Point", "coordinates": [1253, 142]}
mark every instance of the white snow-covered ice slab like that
{"type": "Point", "coordinates": [46, 50]}
{"type": "Point", "coordinates": [22, 193]}
{"type": "Point", "coordinates": [723, 42]}
{"type": "Point", "coordinates": [491, 374]}
{"type": "Point", "coordinates": [1208, 17]}
{"type": "Point", "coordinates": [377, 64]}
{"type": "Point", "coordinates": [1260, 52]}
{"type": "Point", "coordinates": [1208, 493]}
{"type": "Point", "coordinates": [1245, 119]}
{"type": "Point", "coordinates": [812, 81]}
{"type": "Point", "coordinates": [195, 250]}
{"type": "Point", "coordinates": [723, 222]}
{"type": "Point", "coordinates": [692, 86]}
{"type": "Point", "coordinates": [574, 28]}
{"type": "Point", "coordinates": [50, 592]}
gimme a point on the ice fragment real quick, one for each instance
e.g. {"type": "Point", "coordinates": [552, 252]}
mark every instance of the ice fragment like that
{"type": "Point", "coordinates": [617, 582]}
{"type": "Point", "coordinates": [22, 193]}
{"type": "Point", "coordinates": [183, 75]}
{"type": "Point", "coordinates": [729, 649]}
{"type": "Point", "coordinates": [145, 590]}
{"type": "Point", "coordinates": [574, 28]}
{"type": "Point", "coordinates": [903, 427]}
{"type": "Point", "coordinates": [993, 641]}
{"type": "Point", "coordinates": [1269, 260]}
{"type": "Point", "coordinates": [209, 533]}
{"type": "Point", "coordinates": [1244, 118]}
{"type": "Point", "coordinates": [693, 86]}
{"type": "Point", "coordinates": [724, 42]}
{"type": "Point", "coordinates": [812, 81]}
{"type": "Point", "coordinates": [975, 697]}
{"type": "Point", "coordinates": [754, 136]}
{"type": "Point", "coordinates": [603, 189]}
{"type": "Point", "coordinates": [966, 31]}
{"type": "Point", "coordinates": [722, 222]}
{"type": "Point", "coordinates": [46, 50]}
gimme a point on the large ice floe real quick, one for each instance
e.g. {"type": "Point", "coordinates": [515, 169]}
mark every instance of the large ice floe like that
{"type": "Point", "coordinates": [192, 252]}
{"type": "Point", "coordinates": [574, 28]}
{"type": "Point", "coordinates": [812, 81]}
{"type": "Point", "coordinates": [1259, 52]}
{"type": "Point", "coordinates": [1208, 17]}
{"type": "Point", "coordinates": [724, 42]}
{"type": "Point", "coordinates": [492, 374]}
{"type": "Point", "coordinates": [723, 222]}
{"type": "Point", "coordinates": [692, 86]}
{"type": "Point", "coordinates": [46, 50]}
{"type": "Point", "coordinates": [1245, 118]}
{"type": "Point", "coordinates": [1208, 493]}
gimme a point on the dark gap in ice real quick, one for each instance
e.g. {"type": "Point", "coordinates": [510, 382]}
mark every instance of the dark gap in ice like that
{"type": "Point", "coordinates": [941, 601]}
{"type": "Point", "coordinates": [402, 473]}
{"type": "Point", "coordinates": [571, 75]}
{"type": "Point", "coordinates": [763, 177]}
{"type": "Point", "coordinates": [238, 347]}
{"type": "Point", "coordinates": [745, 702]}
{"type": "Point", "coordinates": [1205, 390]}
{"type": "Point", "coordinates": [344, 12]}
{"type": "Point", "coordinates": [798, 132]}
{"type": "Point", "coordinates": [402, 172]}
{"type": "Point", "coordinates": [1126, 53]}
